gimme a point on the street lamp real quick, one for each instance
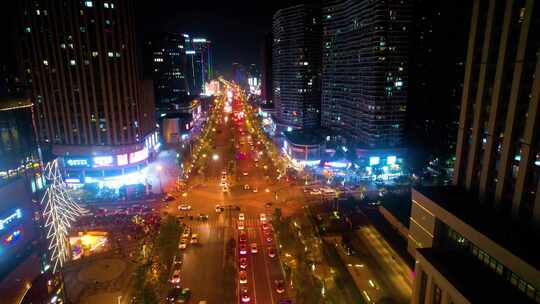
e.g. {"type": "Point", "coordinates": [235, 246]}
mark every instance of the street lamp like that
{"type": "Point", "coordinates": [215, 157]}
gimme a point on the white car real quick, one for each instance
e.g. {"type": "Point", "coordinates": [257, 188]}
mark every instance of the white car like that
{"type": "Point", "coordinates": [254, 248]}
{"type": "Point", "coordinates": [241, 225]}
{"type": "Point", "coordinates": [219, 209]}
{"type": "Point", "coordinates": [241, 217]}
{"type": "Point", "coordinates": [262, 217]}
{"type": "Point", "coordinates": [184, 207]}
{"type": "Point", "coordinates": [183, 243]}
{"type": "Point", "coordinates": [175, 279]}
{"type": "Point", "coordinates": [194, 239]}
{"type": "Point", "coordinates": [186, 233]}
{"type": "Point", "coordinates": [244, 173]}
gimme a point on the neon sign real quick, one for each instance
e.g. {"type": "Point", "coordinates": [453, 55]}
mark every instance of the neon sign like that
{"type": "Point", "coordinates": [77, 162]}
{"type": "Point", "coordinates": [103, 161]}
{"type": "Point", "coordinates": [138, 156]}
{"type": "Point", "coordinates": [5, 221]}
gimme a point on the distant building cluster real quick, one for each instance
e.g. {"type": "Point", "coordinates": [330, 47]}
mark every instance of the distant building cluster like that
{"type": "Point", "coordinates": [179, 65]}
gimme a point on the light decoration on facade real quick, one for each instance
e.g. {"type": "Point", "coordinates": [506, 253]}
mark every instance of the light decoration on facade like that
{"type": "Point", "coordinates": [59, 211]}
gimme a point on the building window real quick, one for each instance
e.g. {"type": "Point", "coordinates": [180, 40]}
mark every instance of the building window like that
{"type": "Point", "coordinates": [110, 54]}
{"type": "Point", "coordinates": [423, 287]}
{"type": "Point", "coordinates": [437, 294]}
{"type": "Point", "coordinates": [28, 29]}
{"type": "Point", "coordinates": [88, 3]}
{"type": "Point", "coordinates": [106, 5]}
{"type": "Point", "coordinates": [45, 62]}
{"type": "Point", "coordinates": [94, 54]}
{"type": "Point", "coordinates": [72, 62]}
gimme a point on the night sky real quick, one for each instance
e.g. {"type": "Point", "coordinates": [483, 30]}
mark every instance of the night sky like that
{"type": "Point", "coordinates": [236, 28]}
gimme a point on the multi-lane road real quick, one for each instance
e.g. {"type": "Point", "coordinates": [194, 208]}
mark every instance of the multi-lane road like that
{"type": "Point", "coordinates": [204, 263]}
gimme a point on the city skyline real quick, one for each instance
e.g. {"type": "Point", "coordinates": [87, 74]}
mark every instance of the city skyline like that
{"type": "Point", "coordinates": [328, 151]}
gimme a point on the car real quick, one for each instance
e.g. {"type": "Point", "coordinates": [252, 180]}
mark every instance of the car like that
{"type": "Point", "coordinates": [224, 177]}
{"type": "Point", "coordinates": [203, 217]}
{"type": "Point", "coordinates": [225, 189]}
{"type": "Point", "coordinates": [241, 216]}
{"type": "Point", "coordinates": [242, 277]}
{"type": "Point", "coordinates": [265, 226]}
{"type": "Point", "coordinates": [177, 261]}
{"type": "Point", "coordinates": [241, 225]}
{"type": "Point", "coordinates": [244, 295]}
{"type": "Point", "coordinates": [224, 172]}
{"type": "Point", "coordinates": [243, 262]}
{"type": "Point", "coordinates": [262, 217]}
{"type": "Point", "coordinates": [254, 248]}
{"type": "Point", "coordinates": [246, 187]}
{"type": "Point", "coordinates": [184, 296]}
{"type": "Point", "coordinates": [242, 249]}
{"type": "Point", "coordinates": [175, 279]}
{"type": "Point", "coordinates": [244, 173]}
{"type": "Point", "coordinates": [280, 286]}
{"type": "Point", "coordinates": [315, 192]}
{"type": "Point", "coordinates": [167, 198]}
{"type": "Point", "coordinates": [271, 252]}
{"type": "Point", "coordinates": [269, 204]}
{"type": "Point", "coordinates": [242, 237]}
{"type": "Point", "coordinates": [173, 294]}
{"type": "Point", "coordinates": [194, 239]}
{"type": "Point", "coordinates": [255, 190]}
{"type": "Point", "coordinates": [186, 233]}
{"type": "Point", "coordinates": [184, 207]}
{"type": "Point", "coordinates": [223, 183]}
{"type": "Point", "coordinates": [219, 209]}
{"type": "Point", "coordinates": [183, 243]}
{"type": "Point", "coordinates": [269, 239]}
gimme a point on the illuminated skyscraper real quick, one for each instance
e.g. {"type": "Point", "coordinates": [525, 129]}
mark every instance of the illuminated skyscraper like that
{"type": "Point", "coordinates": [296, 66]}
{"type": "Point", "coordinates": [364, 85]}
{"type": "Point", "coordinates": [90, 106]}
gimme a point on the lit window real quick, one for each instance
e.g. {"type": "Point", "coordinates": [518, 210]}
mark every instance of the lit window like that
{"type": "Point", "coordinates": [88, 4]}
{"type": "Point", "coordinates": [94, 54]}
{"type": "Point", "coordinates": [45, 62]}
{"type": "Point", "coordinates": [38, 12]}
{"type": "Point", "coordinates": [63, 45]}
{"type": "Point", "coordinates": [117, 54]}
{"type": "Point", "coordinates": [72, 62]}
{"type": "Point", "coordinates": [110, 54]}
{"type": "Point", "coordinates": [112, 5]}
{"type": "Point", "coordinates": [28, 29]}
{"type": "Point", "coordinates": [86, 62]}
{"type": "Point", "coordinates": [106, 5]}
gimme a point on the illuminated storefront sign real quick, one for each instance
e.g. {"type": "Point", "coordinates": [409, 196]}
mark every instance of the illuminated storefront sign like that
{"type": "Point", "coordinates": [138, 156]}
{"type": "Point", "coordinates": [374, 160]}
{"type": "Point", "coordinates": [122, 159]}
{"type": "Point", "coordinates": [390, 160]}
{"type": "Point", "coordinates": [5, 221]}
{"type": "Point", "coordinates": [103, 161]}
{"type": "Point", "coordinates": [77, 162]}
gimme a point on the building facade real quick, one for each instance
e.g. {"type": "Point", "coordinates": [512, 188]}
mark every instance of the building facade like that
{"type": "Point", "coordinates": [200, 63]}
{"type": "Point", "coordinates": [478, 240]}
{"type": "Point", "coordinates": [364, 86]}
{"type": "Point", "coordinates": [296, 66]}
{"type": "Point", "coordinates": [167, 61]}
{"type": "Point", "coordinates": [21, 183]}
{"type": "Point", "coordinates": [80, 56]}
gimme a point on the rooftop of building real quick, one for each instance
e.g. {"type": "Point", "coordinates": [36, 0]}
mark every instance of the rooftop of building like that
{"type": "Point", "coordinates": [399, 207]}
{"type": "Point", "coordinates": [474, 280]}
{"type": "Point", "coordinates": [305, 137]}
{"type": "Point", "coordinates": [519, 238]}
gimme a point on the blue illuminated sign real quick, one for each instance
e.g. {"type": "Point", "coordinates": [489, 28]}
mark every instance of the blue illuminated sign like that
{"type": "Point", "coordinates": [390, 160]}
{"type": "Point", "coordinates": [5, 221]}
{"type": "Point", "coordinates": [374, 160]}
{"type": "Point", "coordinates": [77, 162]}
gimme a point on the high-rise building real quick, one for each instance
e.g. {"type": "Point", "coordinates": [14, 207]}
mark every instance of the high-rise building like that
{"type": "Point", "coordinates": [167, 63]}
{"type": "Point", "coordinates": [80, 56]}
{"type": "Point", "coordinates": [201, 62]}
{"type": "Point", "coordinates": [239, 74]}
{"type": "Point", "coordinates": [296, 65]}
{"type": "Point", "coordinates": [21, 183]}
{"type": "Point", "coordinates": [365, 50]}
{"type": "Point", "coordinates": [432, 110]}
{"type": "Point", "coordinates": [478, 240]}
{"type": "Point", "coordinates": [266, 59]}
